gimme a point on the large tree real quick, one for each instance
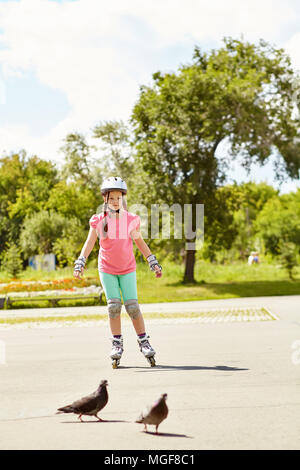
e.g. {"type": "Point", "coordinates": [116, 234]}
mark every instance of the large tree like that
{"type": "Point", "coordinates": [241, 94]}
{"type": "Point", "coordinates": [114, 140]}
{"type": "Point", "coordinates": [25, 183]}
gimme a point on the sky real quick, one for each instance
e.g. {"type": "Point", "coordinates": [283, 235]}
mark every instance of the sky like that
{"type": "Point", "coordinates": [66, 65]}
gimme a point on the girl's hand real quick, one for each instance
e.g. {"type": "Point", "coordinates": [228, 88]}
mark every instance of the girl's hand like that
{"type": "Point", "coordinates": [154, 265]}
{"type": "Point", "coordinates": [78, 274]}
{"type": "Point", "coordinates": [79, 266]}
{"type": "Point", "coordinates": [158, 271]}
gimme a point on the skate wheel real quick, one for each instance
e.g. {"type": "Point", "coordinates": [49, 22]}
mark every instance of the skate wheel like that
{"type": "Point", "coordinates": [115, 363]}
{"type": "Point", "coordinates": [152, 361]}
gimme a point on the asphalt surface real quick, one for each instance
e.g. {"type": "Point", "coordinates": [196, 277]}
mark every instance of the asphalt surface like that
{"type": "Point", "coordinates": [230, 385]}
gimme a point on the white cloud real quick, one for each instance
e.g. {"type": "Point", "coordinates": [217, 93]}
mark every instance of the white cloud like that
{"type": "Point", "coordinates": [293, 49]}
{"type": "Point", "coordinates": [88, 50]}
{"type": "Point", "coordinates": [174, 20]}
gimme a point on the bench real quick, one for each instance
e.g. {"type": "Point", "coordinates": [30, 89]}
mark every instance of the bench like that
{"type": "Point", "coordinates": [6, 302]}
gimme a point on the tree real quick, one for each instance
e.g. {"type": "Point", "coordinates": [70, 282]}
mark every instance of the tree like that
{"type": "Point", "coordinates": [67, 247]}
{"type": "Point", "coordinates": [11, 260]}
{"type": "Point", "coordinates": [117, 150]}
{"type": "Point", "coordinates": [24, 186]}
{"type": "Point", "coordinates": [246, 201]}
{"type": "Point", "coordinates": [40, 231]}
{"type": "Point", "coordinates": [242, 94]}
{"type": "Point", "coordinates": [79, 164]}
{"type": "Point", "coordinates": [73, 201]}
{"type": "Point", "coordinates": [288, 255]}
{"type": "Point", "coordinates": [279, 222]}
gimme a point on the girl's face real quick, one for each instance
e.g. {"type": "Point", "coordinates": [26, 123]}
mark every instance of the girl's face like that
{"type": "Point", "coordinates": [114, 200]}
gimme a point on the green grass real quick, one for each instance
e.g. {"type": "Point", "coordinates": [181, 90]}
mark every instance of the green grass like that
{"type": "Point", "coordinates": [32, 275]}
{"type": "Point", "coordinates": [212, 282]}
{"type": "Point", "coordinates": [216, 282]}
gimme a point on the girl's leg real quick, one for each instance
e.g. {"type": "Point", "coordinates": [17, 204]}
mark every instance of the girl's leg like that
{"type": "Point", "coordinates": [110, 284]}
{"type": "Point", "coordinates": [139, 324]}
{"type": "Point", "coordinates": [115, 326]}
{"type": "Point", "coordinates": [129, 293]}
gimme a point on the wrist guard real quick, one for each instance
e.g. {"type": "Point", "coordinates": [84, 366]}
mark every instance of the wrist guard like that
{"type": "Point", "coordinates": [153, 262]}
{"type": "Point", "coordinates": [79, 263]}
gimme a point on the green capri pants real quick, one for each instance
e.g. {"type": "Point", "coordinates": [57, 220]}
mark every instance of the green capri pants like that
{"type": "Point", "coordinates": [113, 283]}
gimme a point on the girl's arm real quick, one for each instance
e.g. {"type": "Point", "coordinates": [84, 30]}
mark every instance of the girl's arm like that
{"type": "Point", "coordinates": [140, 243]}
{"type": "Point", "coordinates": [87, 248]}
{"type": "Point", "coordinates": [144, 249]}
{"type": "Point", "coordinates": [90, 242]}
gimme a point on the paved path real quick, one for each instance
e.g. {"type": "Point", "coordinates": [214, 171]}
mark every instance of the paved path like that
{"type": "Point", "coordinates": [273, 303]}
{"type": "Point", "coordinates": [229, 385]}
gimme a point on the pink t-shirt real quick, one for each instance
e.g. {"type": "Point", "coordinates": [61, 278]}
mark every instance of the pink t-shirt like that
{"type": "Point", "coordinates": [116, 247]}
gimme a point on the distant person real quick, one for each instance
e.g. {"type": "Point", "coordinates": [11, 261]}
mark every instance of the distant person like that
{"type": "Point", "coordinates": [253, 258]}
{"type": "Point", "coordinates": [250, 258]}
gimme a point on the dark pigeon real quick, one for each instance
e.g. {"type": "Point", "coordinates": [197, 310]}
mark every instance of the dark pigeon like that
{"type": "Point", "coordinates": [154, 414]}
{"type": "Point", "coordinates": [89, 405]}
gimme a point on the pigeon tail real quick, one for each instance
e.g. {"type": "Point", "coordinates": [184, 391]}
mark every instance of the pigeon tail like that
{"type": "Point", "coordinates": [139, 420]}
{"type": "Point", "coordinates": [65, 409]}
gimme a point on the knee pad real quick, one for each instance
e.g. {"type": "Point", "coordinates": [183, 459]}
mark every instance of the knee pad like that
{"type": "Point", "coordinates": [114, 307]}
{"type": "Point", "coordinates": [132, 308]}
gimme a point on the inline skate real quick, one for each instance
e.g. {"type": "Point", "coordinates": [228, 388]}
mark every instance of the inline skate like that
{"type": "Point", "coordinates": [147, 350]}
{"type": "Point", "coordinates": [116, 352]}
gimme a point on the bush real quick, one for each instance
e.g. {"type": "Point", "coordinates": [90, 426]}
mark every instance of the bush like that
{"type": "Point", "coordinates": [67, 247]}
{"type": "Point", "coordinates": [288, 256]}
{"type": "Point", "coordinates": [40, 231]}
{"type": "Point", "coordinates": [11, 260]}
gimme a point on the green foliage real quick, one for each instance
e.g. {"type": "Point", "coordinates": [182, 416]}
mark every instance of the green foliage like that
{"type": "Point", "coordinates": [25, 183]}
{"type": "Point", "coordinates": [279, 220]}
{"type": "Point", "coordinates": [76, 152]}
{"type": "Point", "coordinates": [11, 260]}
{"type": "Point", "coordinates": [115, 144]}
{"type": "Point", "coordinates": [289, 252]}
{"type": "Point", "coordinates": [40, 231]}
{"type": "Point", "coordinates": [68, 246]}
{"type": "Point", "coordinates": [246, 202]}
{"type": "Point", "coordinates": [72, 200]}
{"type": "Point", "coordinates": [242, 94]}
{"type": "Point", "coordinates": [79, 165]}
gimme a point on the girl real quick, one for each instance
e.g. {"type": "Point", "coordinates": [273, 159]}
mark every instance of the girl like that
{"type": "Point", "coordinates": [115, 228]}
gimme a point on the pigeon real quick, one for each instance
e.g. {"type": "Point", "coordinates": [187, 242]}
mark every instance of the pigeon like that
{"type": "Point", "coordinates": [89, 405]}
{"type": "Point", "coordinates": [154, 414]}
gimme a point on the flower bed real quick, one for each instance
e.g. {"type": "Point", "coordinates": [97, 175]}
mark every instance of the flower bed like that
{"type": "Point", "coordinates": [31, 286]}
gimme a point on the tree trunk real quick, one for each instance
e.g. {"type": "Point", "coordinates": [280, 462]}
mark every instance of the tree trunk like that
{"type": "Point", "coordinates": [189, 266]}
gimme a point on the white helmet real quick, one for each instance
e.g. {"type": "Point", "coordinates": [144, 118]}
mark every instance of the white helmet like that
{"type": "Point", "coordinates": [113, 183]}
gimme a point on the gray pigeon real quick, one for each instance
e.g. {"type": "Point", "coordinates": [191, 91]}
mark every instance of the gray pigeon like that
{"type": "Point", "coordinates": [89, 405]}
{"type": "Point", "coordinates": [154, 414]}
